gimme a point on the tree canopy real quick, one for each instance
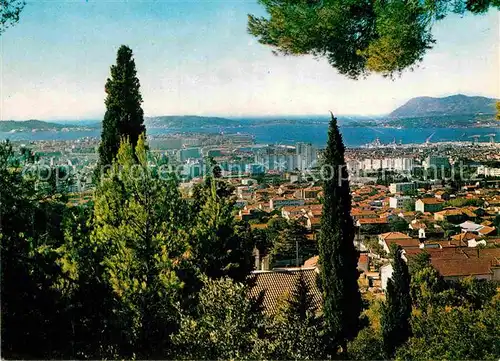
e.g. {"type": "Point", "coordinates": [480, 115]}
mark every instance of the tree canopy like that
{"type": "Point", "coordinates": [396, 310]}
{"type": "Point", "coordinates": [10, 11]}
{"type": "Point", "coordinates": [337, 255]}
{"type": "Point", "coordinates": [124, 116]}
{"type": "Point", "coordinates": [357, 37]}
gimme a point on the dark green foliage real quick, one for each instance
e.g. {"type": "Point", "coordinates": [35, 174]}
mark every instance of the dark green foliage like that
{"type": "Point", "coordinates": [374, 229]}
{"type": "Point", "coordinates": [202, 192]}
{"type": "Point", "coordinates": [275, 226]}
{"type": "Point", "coordinates": [454, 334]}
{"type": "Point", "coordinates": [463, 202]}
{"type": "Point", "coordinates": [427, 286]}
{"type": "Point", "coordinates": [291, 245]}
{"type": "Point", "coordinates": [455, 319]}
{"type": "Point", "coordinates": [30, 223]}
{"type": "Point", "coordinates": [124, 116]}
{"type": "Point", "coordinates": [224, 326]}
{"type": "Point", "coordinates": [357, 37]}
{"type": "Point", "coordinates": [368, 345]}
{"type": "Point", "coordinates": [296, 332]}
{"type": "Point", "coordinates": [338, 256]}
{"type": "Point", "coordinates": [221, 246]}
{"type": "Point", "coordinates": [140, 240]}
{"type": "Point", "coordinates": [215, 169]}
{"type": "Point", "coordinates": [398, 224]}
{"type": "Point", "coordinates": [9, 13]}
{"type": "Point", "coordinates": [450, 320]}
{"type": "Point", "coordinates": [396, 310]}
{"type": "Point", "coordinates": [374, 246]}
{"type": "Point", "coordinates": [473, 293]}
{"type": "Point", "coordinates": [261, 240]}
{"type": "Point", "coordinates": [496, 222]}
{"type": "Point", "coordinates": [301, 301]}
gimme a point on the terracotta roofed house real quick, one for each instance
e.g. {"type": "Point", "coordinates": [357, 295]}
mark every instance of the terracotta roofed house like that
{"type": "Point", "coordinates": [278, 285]}
{"type": "Point", "coordinates": [428, 205]}
{"type": "Point", "coordinates": [403, 240]}
{"type": "Point", "coordinates": [456, 263]}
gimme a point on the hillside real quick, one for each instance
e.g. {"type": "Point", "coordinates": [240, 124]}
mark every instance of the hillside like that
{"type": "Point", "coordinates": [187, 121]}
{"type": "Point", "coordinates": [452, 105]}
{"type": "Point", "coordinates": [442, 121]}
{"type": "Point", "coordinates": [32, 125]}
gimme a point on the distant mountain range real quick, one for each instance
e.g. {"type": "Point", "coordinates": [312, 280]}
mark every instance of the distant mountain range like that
{"type": "Point", "coordinates": [453, 105]}
{"type": "Point", "coordinates": [456, 111]}
{"type": "Point", "coordinates": [38, 125]}
{"type": "Point", "coordinates": [187, 121]}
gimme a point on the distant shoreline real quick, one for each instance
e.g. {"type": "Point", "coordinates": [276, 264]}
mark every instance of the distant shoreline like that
{"type": "Point", "coordinates": [290, 133]}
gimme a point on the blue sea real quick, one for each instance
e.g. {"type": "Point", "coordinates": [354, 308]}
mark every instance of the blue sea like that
{"type": "Point", "coordinates": [315, 133]}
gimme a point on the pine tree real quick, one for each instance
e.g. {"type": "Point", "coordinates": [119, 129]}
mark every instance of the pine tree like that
{"type": "Point", "coordinates": [290, 240]}
{"type": "Point", "coordinates": [296, 332]}
{"type": "Point", "coordinates": [221, 246]}
{"type": "Point", "coordinates": [140, 240]}
{"type": "Point", "coordinates": [338, 256]}
{"type": "Point", "coordinates": [301, 302]}
{"type": "Point", "coordinates": [396, 312]}
{"type": "Point", "coordinates": [124, 116]}
{"type": "Point", "coordinates": [224, 325]}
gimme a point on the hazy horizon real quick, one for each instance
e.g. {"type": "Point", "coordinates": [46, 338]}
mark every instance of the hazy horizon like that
{"type": "Point", "coordinates": [197, 58]}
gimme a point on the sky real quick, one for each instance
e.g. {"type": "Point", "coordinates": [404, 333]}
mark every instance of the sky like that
{"type": "Point", "coordinates": [195, 57]}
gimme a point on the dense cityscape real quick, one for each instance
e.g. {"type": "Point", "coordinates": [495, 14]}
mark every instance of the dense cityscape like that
{"type": "Point", "coordinates": [244, 235]}
{"type": "Point", "coordinates": [191, 156]}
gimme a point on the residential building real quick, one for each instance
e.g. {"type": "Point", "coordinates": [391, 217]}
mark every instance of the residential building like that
{"type": "Point", "coordinates": [436, 162]}
{"type": "Point", "coordinates": [307, 156]}
{"type": "Point", "coordinates": [468, 239]}
{"type": "Point", "coordinates": [477, 263]}
{"type": "Point", "coordinates": [428, 205]}
{"type": "Point", "coordinates": [308, 193]}
{"type": "Point", "coordinates": [401, 239]}
{"type": "Point", "coordinates": [188, 153]}
{"type": "Point", "coordinates": [398, 201]}
{"type": "Point", "coordinates": [402, 187]}
{"type": "Point", "coordinates": [255, 168]}
{"type": "Point", "coordinates": [443, 195]}
{"type": "Point", "coordinates": [280, 283]}
{"type": "Point", "coordinates": [277, 203]}
{"type": "Point", "coordinates": [488, 172]}
{"type": "Point", "coordinates": [457, 263]}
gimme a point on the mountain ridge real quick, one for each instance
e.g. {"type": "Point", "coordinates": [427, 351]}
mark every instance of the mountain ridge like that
{"type": "Point", "coordinates": [34, 124]}
{"type": "Point", "coordinates": [458, 104]}
{"type": "Point", "coordinates": [186, 121]}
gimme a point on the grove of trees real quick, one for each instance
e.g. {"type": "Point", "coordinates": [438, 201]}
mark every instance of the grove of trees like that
{"type": "Point", "coordinates": [141, 272]}
{"type": "Point", "coordinates": [357, 37]}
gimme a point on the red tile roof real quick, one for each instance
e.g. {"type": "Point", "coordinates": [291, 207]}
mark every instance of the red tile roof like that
{"type": "Point", "coordinates": [431, 201]}
{"type": "Point", "coordinates": [393, 235]}
{"type": "Point", "coordinates": [278, 285]}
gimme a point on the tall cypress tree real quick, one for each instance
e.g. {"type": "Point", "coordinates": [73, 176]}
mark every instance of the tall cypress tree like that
{"type": "Point", "coordinates": [338, 256]}
{"type": "Point", "coordinates": [124, 116]}
{"type": "Point", "coordinates": [396, 310]}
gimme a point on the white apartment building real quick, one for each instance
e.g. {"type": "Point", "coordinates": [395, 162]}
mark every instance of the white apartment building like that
{"type": "Point", "coordinates": [488, 172]}
{"type": "Point", "coordinates": [399, 164]}
{"type": "Point", "coordinates": [398, 201]}
{"type": "Point", "coordinates": [401, 187]}
{"type": "Point", "coordinates": [306, 155]}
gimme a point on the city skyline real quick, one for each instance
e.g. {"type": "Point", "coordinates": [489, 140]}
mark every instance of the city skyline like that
{"type": "Point", "coordinates": [198, 59]}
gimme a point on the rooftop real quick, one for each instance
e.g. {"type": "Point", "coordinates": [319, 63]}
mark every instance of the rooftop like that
{"type": "Point", "coordinates": [279, 284]}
